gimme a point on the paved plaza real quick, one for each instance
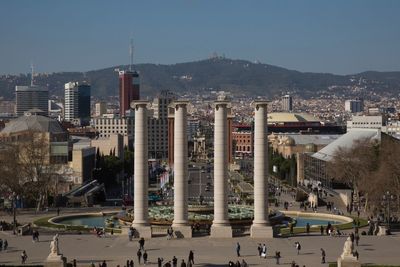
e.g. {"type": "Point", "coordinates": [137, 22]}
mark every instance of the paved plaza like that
{"type": "Point", "coordinates": [117, 249]}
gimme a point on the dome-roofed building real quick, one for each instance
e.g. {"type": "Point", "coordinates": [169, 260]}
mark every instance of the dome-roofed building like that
{"type": "Point", "coordinates": [55, 136]}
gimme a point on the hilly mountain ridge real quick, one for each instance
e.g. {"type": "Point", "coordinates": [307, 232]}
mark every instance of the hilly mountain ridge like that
{"type": "Point", "coordinates": [236, 76]}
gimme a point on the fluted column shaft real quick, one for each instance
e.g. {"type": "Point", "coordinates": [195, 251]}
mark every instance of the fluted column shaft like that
{"type": "Point", "coordinates": [141, 178]}
{"type": "Point", "coordinates": [180, 165]}
{"type": "Point", "coordinates": [220, 164]}
{"type": "Point", "coordinates": [260, 164]}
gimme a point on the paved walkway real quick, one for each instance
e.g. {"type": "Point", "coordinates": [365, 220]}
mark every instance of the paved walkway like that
{"type": "Point", "coordinates": [208, 252]}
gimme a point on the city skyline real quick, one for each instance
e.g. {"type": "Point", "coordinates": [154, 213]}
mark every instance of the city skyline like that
{"type": "Point", "coordinates": [341, 37]}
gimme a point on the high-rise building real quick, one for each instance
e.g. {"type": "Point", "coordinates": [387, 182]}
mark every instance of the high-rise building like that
{"type": "Point", "coordinates": [31, 97]}
{"type": "Point", "coordinates": [129, 90]}
{"type": "Point", "coordinates": [158, 125]}
{"type": "Point", "coordinates": [77, 103]}
{"type": "Point", "coordinates": [354, 106]}
{"type": "Point", "coordinates": [287, 103]}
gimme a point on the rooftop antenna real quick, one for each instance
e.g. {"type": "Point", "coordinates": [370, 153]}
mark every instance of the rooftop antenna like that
{"type": "Point", "coordinates": [32, 72]}
{"type": "Point", "coordinates": [131, 54]}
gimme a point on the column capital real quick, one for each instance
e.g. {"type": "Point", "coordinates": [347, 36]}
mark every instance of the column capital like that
{"type": "Point", "coordinates": [221, 103]}
{"type": "Point", "coordinates": [140, 103]}
{"type": "Point", "coordinates": [259, 103]}
{"type": "Point", "coordinates": [182, 103]}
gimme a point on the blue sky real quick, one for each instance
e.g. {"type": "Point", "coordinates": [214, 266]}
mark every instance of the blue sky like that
{"type": "Point", "coordinates": [341, 37]}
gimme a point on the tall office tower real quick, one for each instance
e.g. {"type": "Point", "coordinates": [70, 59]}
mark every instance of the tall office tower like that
{"type": "Point", "coordinates": [158, 125]}
{"type": "Point", "coordinates": [129, 90]}
{"type": "Point", "coordinates": [354, 106]}
{"type": "Point", "coordinates": [31, 97]}
{"type": "Point", "coordinates": [287, 103]}
{"type": "Point", "coordinates": [100, 109]}
{"type": "Point", "coordinates": [77, 103]}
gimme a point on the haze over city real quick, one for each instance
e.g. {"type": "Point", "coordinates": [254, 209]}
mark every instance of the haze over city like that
{"type": "Point", "coordinates": [342, 37]}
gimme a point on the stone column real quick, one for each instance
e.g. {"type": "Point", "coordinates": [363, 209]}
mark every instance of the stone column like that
{"type": "Point", "coordinates": [260, 227]}
{"type": "Point", "coordinates": [180, 223]}
{"type": "Point", "coordinates": [221, 226]}
{"type": "Point", "coordinates": [141, 179]}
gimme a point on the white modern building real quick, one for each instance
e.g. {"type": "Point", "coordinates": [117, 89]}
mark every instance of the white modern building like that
{"type": "Point", "coordinates": [77, 103]}
{"type": "Point", "coordinates": [365, 122]}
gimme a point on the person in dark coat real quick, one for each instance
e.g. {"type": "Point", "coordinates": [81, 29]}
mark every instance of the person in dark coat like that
{"type": "Point", "coordinates": [139, 255]}
{"type": "Point", "coordinates": [141, 243]}
{"type": "Point", "coordinates": [145, 257]}
{"type": "Point", "coordinates": [238, 249]}
{"type": "Point", "coordinates": [183, 263]}
{"type": "Point", "coordinates": [191, 257]}
{"type": "Point", "coordinates": [159, 262]}
{"type": "Point", "coordinates": [323, 255]}
{"type": "Point", "coordinates": [174, 262]}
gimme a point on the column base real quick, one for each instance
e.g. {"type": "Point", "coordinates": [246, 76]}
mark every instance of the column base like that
{"type": "Point", "coordinates": [348, 262]}
{"type": "Point", "coordinates": [142, 231]}
{"type": "Point", "coordinates": [221, 231]}
{"type": "Point", "coordinates": [261, 231]}
{"type": "Point", "coordinates": [182, 231]}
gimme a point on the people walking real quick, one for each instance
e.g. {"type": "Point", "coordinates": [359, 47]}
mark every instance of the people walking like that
{"type": "Point", "coordinates": [131, 264]}
{"type": "Point", "coordinates": [357, 238]}
{"type": "Point", "coordinates": [141, 243]}
{"type": "Point", "coordinates": [259, 248]}
{"type": "Point", "coordinates": [244, 263]}
{"type": "Point", "coordinates": [191, 257]}
{"type": "Point", "coordinates": [308, 228]}
{"type": "Point", "coordinates": [238, 249]}
{"type": "Point", "coordinates": [130, 233]}
{"type": "Point", "coordinates": [322, 229]}
{"type": "Point", "coordinates": [24, 257]}
{"type": "Point", "coordinates": [139, 255]}
{"type": "Point", "coordinates": [277, 256]}
{"type": "Point", "coordinates": [104, 264]}
{"type": "Point", "coordinates": [323, 255]}
{"type": "Point", "coordinates": [5, 245]}
{"type": "Point", "coordinates": [264, 251]}
{"type": "Point", "coordinates": [159, 261]}
{"type": "Point", "coordinates": [145, 257]}
{"type": "Point", "coordinates": [174, 262]}
{"type": "Point", "coordinates": [298, 247]}
{"type": "Point", "coordinates": [183, 263]}
{"type": "Point", "coordinates": [170, 233]}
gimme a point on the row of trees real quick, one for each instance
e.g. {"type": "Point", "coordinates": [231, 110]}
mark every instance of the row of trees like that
{"type": "Point", "coordinates": [25, 170]}
{"type": "Point", "coordinates": [111, 170]}
{"type": "Point", "coordinates": [369, 167]}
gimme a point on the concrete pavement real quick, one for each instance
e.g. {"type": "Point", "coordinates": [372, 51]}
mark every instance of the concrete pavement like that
{"type": "Point", "coordinates": [208, 252]}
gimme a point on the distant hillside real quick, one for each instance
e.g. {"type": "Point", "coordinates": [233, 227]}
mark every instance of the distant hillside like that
{"type": "Point", "coordinates": [237, 76]}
